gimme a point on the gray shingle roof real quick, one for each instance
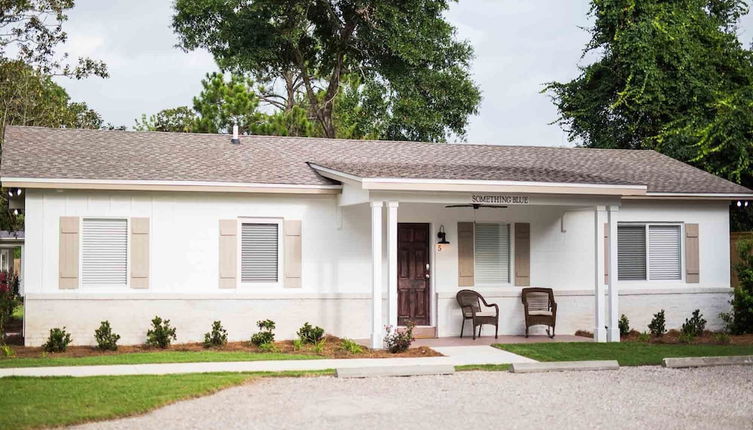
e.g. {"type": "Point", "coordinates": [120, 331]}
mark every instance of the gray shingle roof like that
{"type": "Point", "coordinates": [36, 152]}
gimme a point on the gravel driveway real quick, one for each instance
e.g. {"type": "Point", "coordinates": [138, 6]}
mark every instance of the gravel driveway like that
{"type": "Point", "coordinates": [633, 397]}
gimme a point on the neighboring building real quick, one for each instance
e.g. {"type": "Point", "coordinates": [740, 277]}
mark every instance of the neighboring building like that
{"type": "Point", "coordinates": [122, 226]}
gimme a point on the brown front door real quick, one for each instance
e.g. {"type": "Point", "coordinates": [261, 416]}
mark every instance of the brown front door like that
{"type": "Point", "coordinates": [413, 273]}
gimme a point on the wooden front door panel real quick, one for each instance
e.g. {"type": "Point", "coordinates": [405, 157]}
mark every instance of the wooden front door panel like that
{"type": "Point", "coordinates": [413, 300]}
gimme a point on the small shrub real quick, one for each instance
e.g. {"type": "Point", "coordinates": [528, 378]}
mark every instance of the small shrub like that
{"type": "Point", "coordinates": [686, 337]}
{"type": "Point", "coordinates": [297, 344]}
{"type": "Point", "coordinates": [319, 346]}
{"type": "Point", "coordinates": [309, 334]}
{"type": "Point", "coordinates": [58, 341]}
{"type": "Point", "coordinates": [350, 346]}
{"type": "Point", "coordinates": [161, 334]}
{"type": "Point", "coordinates": [7, 351]}
{"type": "Point", "coordinates": [266, 333]}
{"type": "Point", "coordinates": [644, 337]}
{"type": "Point", "coordinates": [268, 347]}
{"type": "Point", "coordinates": [657, 327]}
{"type": "Point", "coordinates": [624, 325]}
{"type": "Point", "coordinates": [396, 341]}
{"type": "Point", "coordinates": [722, 338]}
{"type": "Point", "coordinates": [695, 325]}
{"type": "Point", "coordinates": [217, 337]}
{"type": "Point", "coordinates": [106, 339]}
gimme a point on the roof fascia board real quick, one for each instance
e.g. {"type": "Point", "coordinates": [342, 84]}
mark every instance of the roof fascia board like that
{"type": "Point", "coordinates": [693, 196]}
{"type": "Point", "coordinates": [145, 185]}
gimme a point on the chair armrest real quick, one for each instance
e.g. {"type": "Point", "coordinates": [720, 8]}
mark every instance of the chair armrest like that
{"type": "Point", "coordinates": [493, 305]}
{"type": "Point", "coordinates": [554, 308]}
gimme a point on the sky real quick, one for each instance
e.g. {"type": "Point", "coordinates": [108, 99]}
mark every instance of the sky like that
{"type": "Point", "coordinates": [519, 46]}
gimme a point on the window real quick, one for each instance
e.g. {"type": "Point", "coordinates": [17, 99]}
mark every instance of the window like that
{"type": "Point", "coordinates": [259, 252]}
{"type": "Point", "coordinates": [649, 252]}
{"type": "Point", "coordinates": [492, 253]}
{"type": "Point", "coordinates": [104, 252]}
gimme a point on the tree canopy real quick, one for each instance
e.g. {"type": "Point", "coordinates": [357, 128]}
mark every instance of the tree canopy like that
{"type": "Point", "coordinates": [227, 101]}
{"type": "Point", "coordinates": [671, 76]}
{"type": "Point", "coordinates": [403, 54]}
{"type": "Point", "coordinates": [33, 29]}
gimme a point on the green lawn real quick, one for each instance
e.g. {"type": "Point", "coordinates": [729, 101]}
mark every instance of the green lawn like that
{"type": "Point", "coordinates": [484, 367]}
{"type": "Point", "coordinates": [626, 353]}
{"type": "Point", "coordinates": [151, 357]}
{"type": "Point", "coordinates": [56, 401]}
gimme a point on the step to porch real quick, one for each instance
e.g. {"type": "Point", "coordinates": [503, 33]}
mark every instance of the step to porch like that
{"type": "Point", "coordinates": [424, 332]}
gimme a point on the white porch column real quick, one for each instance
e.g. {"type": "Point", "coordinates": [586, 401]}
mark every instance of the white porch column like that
{"type": "Point", "coordinates": [377, 327]}
{"type": "Point", "coordinates": [614, 310]}
{"type": "Point", "coordinates": [392, 262]}
{"type": "Point", "coordinates": [600, 332]}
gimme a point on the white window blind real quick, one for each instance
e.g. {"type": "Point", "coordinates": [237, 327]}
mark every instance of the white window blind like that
{"type": "Point", "coordinates": [492, 253]}
{"type": "Point", "coordinates": [631, 253]}
{"type": "Point", "coordinates": [259, 252]}
{"type": "Point", "coordinates": [664, 252]}
{"type": "Point", "coordinates": [104, 252]}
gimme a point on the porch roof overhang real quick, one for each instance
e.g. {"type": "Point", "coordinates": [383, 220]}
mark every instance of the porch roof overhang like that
{"type": "Point", "coordinates": [357, 190]}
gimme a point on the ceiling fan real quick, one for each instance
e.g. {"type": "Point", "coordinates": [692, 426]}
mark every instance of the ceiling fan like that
{"type": "Point", "coordinates": [476, 206]}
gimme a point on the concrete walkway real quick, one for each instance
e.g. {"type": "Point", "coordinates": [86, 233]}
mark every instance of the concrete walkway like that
{"type": "Point", "coordinates": [453, 356]}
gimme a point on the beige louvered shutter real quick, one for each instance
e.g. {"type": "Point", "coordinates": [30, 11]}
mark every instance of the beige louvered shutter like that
{"type": "Point", "coordinates": [228, 253]}
{"type": "Point", "coordinates": [292, 248]}
{"type": "Point", "coordinates": [606, 253]}
{"type": "Point", "coordinates": [522, 254]}
{"type": "Point", "coordinates": [465, 254]}
{"type": "Point", "coordinates": [692, 259]}
{"type": "Point", "coordinates": [139, 252]}
{"type": "Point", "coordinates": [69, 255]}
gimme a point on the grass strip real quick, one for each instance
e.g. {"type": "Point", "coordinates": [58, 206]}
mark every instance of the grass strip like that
{"type": "Point", "coordinates": [483, 367]}
{"type": "Point", "coordinates": [151, 357]}
{"type": "Point", "coordinates": [626, 353]}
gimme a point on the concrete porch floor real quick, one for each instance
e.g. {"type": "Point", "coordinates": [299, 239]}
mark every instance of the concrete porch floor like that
{"type": "Point", "coordinates": [489, 340]}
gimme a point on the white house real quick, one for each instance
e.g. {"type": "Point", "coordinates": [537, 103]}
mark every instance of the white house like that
{"type": "Point", "coordinates": [123, 226]}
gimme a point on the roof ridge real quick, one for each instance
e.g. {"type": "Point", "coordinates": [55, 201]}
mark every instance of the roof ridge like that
{"type": "Point", "coordinates": [327, 139]}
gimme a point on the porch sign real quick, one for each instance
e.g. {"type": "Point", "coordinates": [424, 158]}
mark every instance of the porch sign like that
{"type": "Point", "coordinates": [497, 199]}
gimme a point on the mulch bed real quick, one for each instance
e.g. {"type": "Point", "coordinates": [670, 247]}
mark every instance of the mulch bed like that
{"type": "Point", "coordinates": [331, 349]}
{"type": "Point", "coordinates": [673, 337]}
{"type": "Point", "coordinates": [708, 337]}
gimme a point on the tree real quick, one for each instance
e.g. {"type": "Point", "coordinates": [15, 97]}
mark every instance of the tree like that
{"type": "Point", "coordinates": [221, 104]}
{"type": "Point", "coordinates": [179, 119]}
{"type": "Point", "coordinates": [34, 28]}
{"type": "Point", "coordinates": [672, 76]}
{"type": "Point", "coordinates": [405, 50]}
{"type": "Point", "coordinates": [224, 102]}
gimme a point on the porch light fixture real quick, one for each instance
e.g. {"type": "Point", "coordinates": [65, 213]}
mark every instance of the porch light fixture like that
{"type": "Point", "coordinates": [442, 236]}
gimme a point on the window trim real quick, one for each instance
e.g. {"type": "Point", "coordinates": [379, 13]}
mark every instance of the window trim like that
{"type": "Point", "coordinates": [102, 287]}
{"type": "Point", "coordinates": [510, 256]}
{"type": "Point", "coordinates": [280, 252]}
{"type": "Point", "coordinates": [646, 225]}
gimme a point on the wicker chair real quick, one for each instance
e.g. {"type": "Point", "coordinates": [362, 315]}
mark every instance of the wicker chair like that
{"type": "Point", "coordinates": [470, 304]}
{"type": "Point", "coordinates": [540, 308]}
